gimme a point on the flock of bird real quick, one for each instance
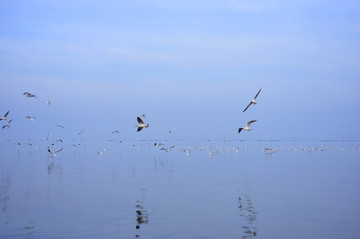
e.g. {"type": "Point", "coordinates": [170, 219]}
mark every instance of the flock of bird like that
{"type": "Point", "coordinates": [140, 126]}
{"type": "Point", "coordinates": [247, 126]}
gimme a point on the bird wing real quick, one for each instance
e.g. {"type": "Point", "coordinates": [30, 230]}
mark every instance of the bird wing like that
{"type": "Point", "coordinates": [57, 151]}
{"type": "Point", "coordinates": [247, 106]}
{"type": "Point", "coordinates": [4, 126]}
{"type": "Point", "coordinates": [257, 94]}
{"type": "Point", "coordinates": [9, 121]}
{"type": "Point", "coordinates": [250, 122]}
{"type": "Point", "coordinates": [6, 113]}
{"type": "Point", "coordinates": [139, 129]}
{"type": "Point", "coordinates": [140, 120]}
{"type": "Point", "coordinates": [239, 130]}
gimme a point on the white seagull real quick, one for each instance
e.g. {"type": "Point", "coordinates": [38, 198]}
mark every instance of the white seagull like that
{"type": "Point", "coordinates": [141, 124]}
{"type": "Point", "coordinates": [4, 117]}
{"type": "Point", "coordinates": [60, 126]}
{"type": "Point", "coordinates": [7, 125]}
{"type": "Point", "coordinates": [27, 94]}
{"type": "Point", "coordinates": [253, 101]}
{"type": "Point", "coordinates": [30, 118]}
{"type": "Point", "coordinates": [53, 154]}
{"type": "Point", "coordinates": [247, 126]}
{"type": "Point", "coordinates": [115, 131]}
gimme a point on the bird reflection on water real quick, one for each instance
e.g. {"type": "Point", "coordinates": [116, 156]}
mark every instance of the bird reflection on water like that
{"type": "Point", "coordinates": [142, 216]}
{"type": "Point", "coordinates": [4, 190]}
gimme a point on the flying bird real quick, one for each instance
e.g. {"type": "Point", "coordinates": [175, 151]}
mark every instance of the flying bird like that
{"type": "Point", "coordinates": [170, 130]}
{"type": "Point", "coordinates": [60, 126]}
{"type": "Point", "coordinates": [141, 124]}
{"type": "Point", "coordinates": [48, 102]}
{"type": "Point", "coordinates": [7, 125]}
{"type": "Point", "coordinates": [4, 117]}
{"type": "Point", "coordinates": [115, 131]}
{"type": "Point", "coordinates": [30, 117]}
{"type": "Point", "coordinates": [53, 154]}
{"type": "Point", "coordinates": [27, 94]}
{"type": "Point", "coordinates": [80, 132]}
{"type": "Point", "coordinates": [247, 126]}
{"type": "Point", "coordinates": [253, 101]}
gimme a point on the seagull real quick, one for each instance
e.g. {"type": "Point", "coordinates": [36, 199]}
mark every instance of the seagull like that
{"type": "Point", "coordinates": [141, 124]}
{"type": "Point", "coordinates": [30, 118]}
{"type": "Point", "coordinates": [115, 131]}
{"type": "Point", "coordinates": [253, 101]}
{"type": "Point", "coordinates": [27, 94]}
{"type": "Point", "coordinates": [247, 126]}
{"type": "Point", "coordinates": [60, 126]}
{"type": "Point", "coordinates": [170, 130]}
{"type": "Point", "coordinates": [53, 154]}
{"type": "Point", "coordinates": [4, 117]}
{"type": "Point", "coordinates": [48, 102]}
{"type": "Point", "coordinates": [80, 132]}
{"type": "Point", "coordinates": [7, 125]}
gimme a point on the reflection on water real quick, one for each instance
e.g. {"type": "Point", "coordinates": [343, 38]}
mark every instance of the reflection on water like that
{"type": "Point", "coordinates": [142, 216]}
{"type": "Point", "coordinates": [215, 190]}
{"type": "Point", "coordinates": [248, 213]}
{"type": "Point", "coordinates": [54, 178]}
{"type": "Point", "coordinates": [4, 190]}
{"type": "Point", "coordinates": [30, 229]}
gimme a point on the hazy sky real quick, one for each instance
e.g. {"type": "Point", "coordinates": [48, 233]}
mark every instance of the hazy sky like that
{"type": "Point", "coordinates": [190, 65]}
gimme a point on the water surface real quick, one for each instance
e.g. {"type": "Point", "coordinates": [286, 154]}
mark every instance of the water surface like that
{"type": "Point", "coordinates": [208, 189]}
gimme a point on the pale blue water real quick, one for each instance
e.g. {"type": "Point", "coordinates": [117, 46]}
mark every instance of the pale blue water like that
{"type": "Point", "coordinates": [208, 190]}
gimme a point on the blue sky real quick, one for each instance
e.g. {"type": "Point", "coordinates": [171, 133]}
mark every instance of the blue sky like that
{"type": "Point", "coordinates": [189, 65]}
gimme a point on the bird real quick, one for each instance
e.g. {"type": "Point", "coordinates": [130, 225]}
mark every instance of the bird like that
{"type": "Point", "coordinates": [60, 126]}
{"type": "Point", "coordinates": [247, 126]}
{"type": "Point", "coordinates": [80, 132]}
{"type": "Point", "coordinates": [253, 101]}
{"type": "Point", "coordinates": [4, 117]}
{"type": "Point", "coordinates": [141, 124]}
{"type": "Point", "coordinates": [53, 154]}
{"type": "Point", "coordinates": [143, 116]}
{"type": "Point", "coordinates": [170, 130]}
{"type": "Point", "coordinates": [27, 94]}
{"type": "Point", "coordinates": [7, 125]}
{"type": "Point", "coordinates": [30, 117]}
{"type": "Point", "coordinates": [115, 131]}
{"type": "Point", "coordinates": [48, 102]}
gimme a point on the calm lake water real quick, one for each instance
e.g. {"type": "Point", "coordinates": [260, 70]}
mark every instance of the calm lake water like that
{"type": "Point", "coordinates": [208, 189]}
